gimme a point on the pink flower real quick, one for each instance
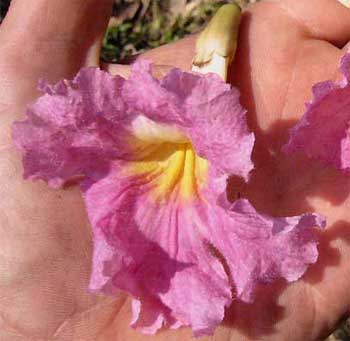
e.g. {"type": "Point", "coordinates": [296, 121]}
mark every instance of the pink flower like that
{"type": "Point", "coordinates": [152, 158]}
{"type": "Point", "coordinates": [324, 130]}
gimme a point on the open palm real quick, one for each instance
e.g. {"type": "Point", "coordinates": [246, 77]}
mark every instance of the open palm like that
{"type": "Point", "coordinates": [45, 240]}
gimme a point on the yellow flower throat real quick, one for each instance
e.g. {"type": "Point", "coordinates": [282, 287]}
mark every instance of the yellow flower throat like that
{"type": "Point", "coordinates": [173, 168]}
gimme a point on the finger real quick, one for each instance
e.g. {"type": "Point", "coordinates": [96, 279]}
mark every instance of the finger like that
{"type": "Point", "coordinates": [178, 54]}
{"type": "Point", "coordinates": [158, 71]}
{"type": "Point", "coordinates": [322, 19]}
{"type": "Point", "coordinates": [60, 33]}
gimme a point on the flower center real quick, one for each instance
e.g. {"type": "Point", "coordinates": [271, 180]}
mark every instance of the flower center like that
{"type": "Point", "coordinates": [173, 169]}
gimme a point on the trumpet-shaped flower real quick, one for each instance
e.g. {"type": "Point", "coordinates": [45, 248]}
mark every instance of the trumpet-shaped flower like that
{"type": "Point", "coordinates": [323, 132]}
{"type": "Point", "coordinates": [152, 158]}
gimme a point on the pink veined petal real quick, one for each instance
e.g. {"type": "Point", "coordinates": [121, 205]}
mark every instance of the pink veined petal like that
{"type": "Point", "coordinates": [223, 139]}
{"type": "Point", "coordinates": [165, 253]}
{"type": "Point", "coordinates": [161, 256]}
{"type": "Point", "coordinates": [259, 248]}
{"type": "Point", "coordinates": [322, 132]}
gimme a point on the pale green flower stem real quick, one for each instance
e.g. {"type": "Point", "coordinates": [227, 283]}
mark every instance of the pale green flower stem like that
{"type": "Point", "coordinates": [345, 2]}
{"type": "Point", "coordinates": [216, 46]}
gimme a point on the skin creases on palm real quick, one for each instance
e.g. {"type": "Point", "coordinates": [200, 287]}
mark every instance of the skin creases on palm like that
{"type": "Point", "coordinates": [45, 244]}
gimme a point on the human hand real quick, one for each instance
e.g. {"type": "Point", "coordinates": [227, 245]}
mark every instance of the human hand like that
{"type": "Point", "coordinates": [45, 239]}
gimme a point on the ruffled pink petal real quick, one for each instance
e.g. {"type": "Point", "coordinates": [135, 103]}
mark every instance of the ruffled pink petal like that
{"type": "Point", "coordinates": [323, 131]}
{"type": "Point", "coordinates": [203, 106]}
{"type": "Point", "coordinates": [259, 248]}
{"type": "Point", "coordinates": [73, 129]}
{"type": "Point", "coordinates": [165, 252]}
{"type": "Point", "coordinates": [147, 97]}
{"type": "Point", "coordinates": [148, 316]}
{"type": "Point", "coordinates": [218, 128]}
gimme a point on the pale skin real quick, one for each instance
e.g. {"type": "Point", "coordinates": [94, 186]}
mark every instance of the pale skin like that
{"type": "Point", "coordinates": [45, 241]}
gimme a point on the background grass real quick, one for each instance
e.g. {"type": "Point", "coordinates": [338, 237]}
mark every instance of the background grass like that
{"type": "Point", "coordinates": [143, 25]}
{"type": "Point", "coordinates": [138, 25]}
